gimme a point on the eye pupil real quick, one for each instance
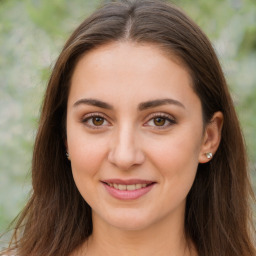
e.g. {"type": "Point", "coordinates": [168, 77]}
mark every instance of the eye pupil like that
{"type": "Point", "coordinates": [98, 121]}
{"type": "Point", "coordinates": [158, 121]}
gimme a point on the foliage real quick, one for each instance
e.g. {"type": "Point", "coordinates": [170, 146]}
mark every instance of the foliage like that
{"type": "Point", "coordinates": [32, 33]}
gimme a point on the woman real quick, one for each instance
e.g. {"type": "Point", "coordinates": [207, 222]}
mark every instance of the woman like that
{"type": "Point", "coordinates": [139, 149]}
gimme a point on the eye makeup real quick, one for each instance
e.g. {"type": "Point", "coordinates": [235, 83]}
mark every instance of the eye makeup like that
{"type": "Point", "coordinates": [160, 121]}
{"type": "Point", "coordinates": [95, 120]}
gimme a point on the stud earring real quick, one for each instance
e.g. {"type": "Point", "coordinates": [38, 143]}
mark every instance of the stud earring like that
{"type": "Point", "coordinates": [67, 155]}
{"type": "Point", "coordinates": [209, 155]}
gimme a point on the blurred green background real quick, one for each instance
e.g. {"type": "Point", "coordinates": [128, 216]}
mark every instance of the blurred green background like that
{"type": "Point", "coordinates": [32, 33]}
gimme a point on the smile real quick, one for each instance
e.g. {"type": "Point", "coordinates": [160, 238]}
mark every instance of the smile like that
{"type": "Point", "coordinates": [128, 190]}
{"type": "Point", "coordinates": [127, 187]}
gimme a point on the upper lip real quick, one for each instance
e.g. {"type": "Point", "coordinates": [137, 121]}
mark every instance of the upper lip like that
{"type": "Point", "coordinates": [128, 182]}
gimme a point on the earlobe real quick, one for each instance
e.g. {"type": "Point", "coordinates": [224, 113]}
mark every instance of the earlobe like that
{"type": "Point", "coordinates": [67, 155]}
{"type": "Point", "coordinates": [212, 138]}
{"type": "Point", "coordinates": [66, 146]}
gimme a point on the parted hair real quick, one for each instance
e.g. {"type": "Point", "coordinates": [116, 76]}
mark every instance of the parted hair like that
{"type": "Point", "coordinates": [56, 219]}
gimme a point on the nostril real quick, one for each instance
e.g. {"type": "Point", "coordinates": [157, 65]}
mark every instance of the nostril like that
{"type": "Point", "coordinates": [124, 151]}
{"type": "Point", "coordinates": [124, 159]}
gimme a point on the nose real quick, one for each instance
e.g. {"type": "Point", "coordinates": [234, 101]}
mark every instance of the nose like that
{"type": "Point", "coordinates": [125, 152]}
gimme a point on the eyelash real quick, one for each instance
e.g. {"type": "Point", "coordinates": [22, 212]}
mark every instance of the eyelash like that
{"type": "Point", "coordinates": [89, 117]}
{"type": "Point", "coordinates": [166, 117]}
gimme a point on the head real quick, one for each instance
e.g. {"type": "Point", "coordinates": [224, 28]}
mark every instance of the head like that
{"type": "Point", "coordinates": [212, 196]}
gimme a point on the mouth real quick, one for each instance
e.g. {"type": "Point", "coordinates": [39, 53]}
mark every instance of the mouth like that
{"type": "Point", "coordinates": [128, 189]}
{"type": "Point", "coordinates": [131, 187]}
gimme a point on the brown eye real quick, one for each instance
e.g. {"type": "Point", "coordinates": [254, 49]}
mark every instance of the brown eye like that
{"type": "Point", "coordinates": [97, 121]}
{"type": "Point", "coordinates": [159, 121]}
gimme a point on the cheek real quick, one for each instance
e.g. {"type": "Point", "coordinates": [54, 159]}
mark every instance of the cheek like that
{"type": "Point", "coordinates": [175, 150]}
{"type": "Point", "coordinates": [176, 159]}
{"type": "Point", "coordinates": [87, 157]}
{"type": "Point", "coordinates": [86, 152]}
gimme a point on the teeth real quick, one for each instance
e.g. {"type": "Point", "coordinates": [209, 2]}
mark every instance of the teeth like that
{"type": "Point", "coordinates": [138, 186]}
{"type": "Point", "coordinates": [130, 187]}
{"type": "Point", "coordinates": [121, 187]}
{"type": "Point", "coordinates": [127, 187]}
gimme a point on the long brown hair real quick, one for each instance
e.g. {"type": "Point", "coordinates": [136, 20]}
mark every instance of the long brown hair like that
{"type": "Point", "coordinates": [56, 220]}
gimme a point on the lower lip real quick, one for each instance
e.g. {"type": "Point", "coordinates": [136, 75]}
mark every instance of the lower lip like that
{"type": "Point", "coordinates": [128, 194]}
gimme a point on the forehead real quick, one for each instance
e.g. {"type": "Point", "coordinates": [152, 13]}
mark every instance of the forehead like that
{"type": "Point", "coordinates": [129, 53]}
{"type": "Point", "coordinates": [130, 71]}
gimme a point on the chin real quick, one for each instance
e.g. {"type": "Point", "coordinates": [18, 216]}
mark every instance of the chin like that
{"type": "Point", "coordinates": [132, 222]}
{"type": "Point", "coordinates": [130, 225]}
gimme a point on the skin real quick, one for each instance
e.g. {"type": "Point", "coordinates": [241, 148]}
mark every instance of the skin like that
{"type": "Point", "coordinates": [129, 142]}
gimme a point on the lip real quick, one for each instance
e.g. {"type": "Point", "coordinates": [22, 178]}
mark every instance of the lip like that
{"type": "Point", "coordinates": [128, 194]}
{"type": "Point", "coordinates": [128, 182]}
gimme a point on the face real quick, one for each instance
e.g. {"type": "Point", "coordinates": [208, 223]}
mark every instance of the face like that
{"type": "Point", "coordinates": [134, 134]}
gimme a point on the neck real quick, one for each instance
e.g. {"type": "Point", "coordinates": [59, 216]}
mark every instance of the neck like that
{"type": "Point", "coordinates": [159, 239]}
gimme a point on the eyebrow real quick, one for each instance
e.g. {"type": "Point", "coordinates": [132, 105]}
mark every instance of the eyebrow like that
{"type": "Point", "coordinates": [93, 102]}
{"type": "Point", "coordinates": [142, 106]}
{"type": "Point", "coordinates": [159, 102]}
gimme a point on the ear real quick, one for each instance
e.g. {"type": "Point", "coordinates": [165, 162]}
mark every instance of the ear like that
{"type": "Point", "coordinates": [67, 153]}
{"type": "Point", "coordinates": [66, 144]}
{"type": "Point", "coordinates": [211, 138]}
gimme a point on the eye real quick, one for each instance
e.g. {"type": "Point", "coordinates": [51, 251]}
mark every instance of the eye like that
{"type": "Point", "coordinates": [160, 121]}
{"type": "Point", "coordinates": [95, 121]}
